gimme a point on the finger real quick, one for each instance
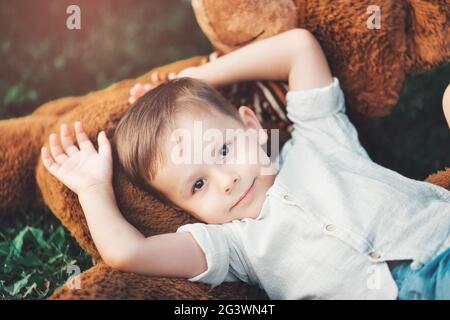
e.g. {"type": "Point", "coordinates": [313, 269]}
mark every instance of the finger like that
{"type": "Point", "coordinates": [104, 147]}
{"type": "Point", "coordinates": [141, 93]}
{"type": "Point", "coordinates": [51, 165]}
{"type": "Point", "coordinates": [135, 87]}
{"type": "Point", "coordinates": [131, 100]}
{"type": "Point", "coordinates": [148, 86]}
{"type": "Point", "coordinates": [66, 141]}
{"type": "Point", "coordinates": [57, 153]}
{"type": "Point", "coordinates": [155, 76]}
{"type": "Point", "coordinates": [82, 138]}
{"type": "Point", "coordinates": [171, 75]}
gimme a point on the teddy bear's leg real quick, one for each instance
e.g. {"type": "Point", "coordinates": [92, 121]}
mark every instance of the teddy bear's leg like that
{"type": "Point", "coordinates": [440, 178]}
{"type": "Point", "coordinates": [19, 153]}
{"type": "Point", "coordinates": [102, 282]}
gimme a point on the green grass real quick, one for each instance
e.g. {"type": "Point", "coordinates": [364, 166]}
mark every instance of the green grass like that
{"type": "Point", "coordinates": [35, 252]}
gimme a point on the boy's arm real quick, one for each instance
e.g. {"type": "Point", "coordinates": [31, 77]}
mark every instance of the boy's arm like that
{"type": "Point", "coordinates": [123, 247]}
{"type": "Point", "coordinates": [446, 104]}
{"type": "Point", "coordinates": [294, 55]}
{"type": "Point", "coordinates": [88, 173]}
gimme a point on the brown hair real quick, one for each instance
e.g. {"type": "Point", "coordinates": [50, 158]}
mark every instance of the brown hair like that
{"type": "Point", "coordinates": [138, 136]}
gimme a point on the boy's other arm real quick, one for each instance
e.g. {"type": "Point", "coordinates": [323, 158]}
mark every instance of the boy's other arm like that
{"type": "Point", "coordinates": [446, 104]}
{"type": "Point", "coordinates": [123, 247]}
{"type": "Point", "coordinates": [294, 55]}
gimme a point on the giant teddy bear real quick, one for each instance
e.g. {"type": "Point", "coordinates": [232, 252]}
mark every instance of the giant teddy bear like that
{"type": "Point", "coordinates": [371, 63]}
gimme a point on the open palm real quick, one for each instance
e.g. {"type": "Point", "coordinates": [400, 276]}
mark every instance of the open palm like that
{"type": "Point", "coordinates": [82, 167]}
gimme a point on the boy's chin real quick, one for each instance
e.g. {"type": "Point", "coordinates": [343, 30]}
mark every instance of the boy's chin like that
{"type": "Point", "coordinates": [252, 211]}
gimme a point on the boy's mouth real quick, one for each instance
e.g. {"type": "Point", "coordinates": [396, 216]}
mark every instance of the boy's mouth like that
{"type": "Point", "coordinates": [246, 195]}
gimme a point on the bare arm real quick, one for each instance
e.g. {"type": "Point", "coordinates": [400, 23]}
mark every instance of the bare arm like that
{"type": "Point", "coordinates": [88, 173]}
{"type": "Point", "coordinates": [123, 247]}
{"type": "Point", "coordinates": [446, 104]}
{"type": "Point", "coordinates": [294, 55]}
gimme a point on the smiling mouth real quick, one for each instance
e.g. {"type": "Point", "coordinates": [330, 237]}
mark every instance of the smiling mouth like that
{"type": "Point", "coordinates": [245, 195]}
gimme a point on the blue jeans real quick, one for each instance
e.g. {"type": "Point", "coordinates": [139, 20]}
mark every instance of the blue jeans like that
{"type": "Point", "coordinates": [431, 282]}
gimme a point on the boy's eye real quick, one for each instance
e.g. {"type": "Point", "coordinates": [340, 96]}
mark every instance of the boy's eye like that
{"type": "Point", "coordinates": [225, 149]}
{"type": "Point", "coordinates": [198, 185]}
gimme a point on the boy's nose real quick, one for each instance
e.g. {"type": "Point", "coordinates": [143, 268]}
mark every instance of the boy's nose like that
{"type": "Point", "coordinates": [231, 185]}
{"type": "Point", "coordinates": [228, 181]}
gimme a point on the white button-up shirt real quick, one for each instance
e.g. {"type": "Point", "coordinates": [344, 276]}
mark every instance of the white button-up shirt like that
{"type": "Point", "coordinates": [331, 219]}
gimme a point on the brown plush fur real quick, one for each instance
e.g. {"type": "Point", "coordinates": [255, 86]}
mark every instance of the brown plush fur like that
{"type": "Point", "coordinates": [99, 281]}
{"type": "Point", "coordinates": [371, 64]}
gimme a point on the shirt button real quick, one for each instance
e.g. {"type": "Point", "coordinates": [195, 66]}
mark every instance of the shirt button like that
{"type": "Point", "coordinates": [375, 255]}
{"type": "Point", "coordinates": [416, 265]}
{"type": "Point", "coordinates": [286, 197]}
{"type": "Point", "coordinates": [330, 227]}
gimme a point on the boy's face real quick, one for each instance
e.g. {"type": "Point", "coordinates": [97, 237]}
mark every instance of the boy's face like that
{"type": "Point", "coordinates": [215, 167]}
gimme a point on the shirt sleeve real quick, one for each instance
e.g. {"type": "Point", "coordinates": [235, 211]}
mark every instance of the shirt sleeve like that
{"type": "Point", "coordinates": [318, 116]}
{"type": "Point", "coordinates": [214, 242]}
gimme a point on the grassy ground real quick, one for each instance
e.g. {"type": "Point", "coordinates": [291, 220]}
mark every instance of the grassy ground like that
{"type": "Point", "coordinates": [35, 254]}
{"type": "Point", "coordinates": [42, 60]}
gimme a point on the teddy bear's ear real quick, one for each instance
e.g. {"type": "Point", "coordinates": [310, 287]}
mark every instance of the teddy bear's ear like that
{"type": "Point", "coordinates": [234, 23]}
{"type": "Point", "coordinates": [427, 32]}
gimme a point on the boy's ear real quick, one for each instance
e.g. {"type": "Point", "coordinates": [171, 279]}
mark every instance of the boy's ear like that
{"type": "Point", "coordinates": [250, 121]}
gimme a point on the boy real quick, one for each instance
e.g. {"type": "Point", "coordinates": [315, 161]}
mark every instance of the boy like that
{"type": "Point", "coordinates": [330, 224]}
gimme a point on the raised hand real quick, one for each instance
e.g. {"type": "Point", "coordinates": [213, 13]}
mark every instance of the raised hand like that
{"type": "Point", "coordinates": [79, 168]}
